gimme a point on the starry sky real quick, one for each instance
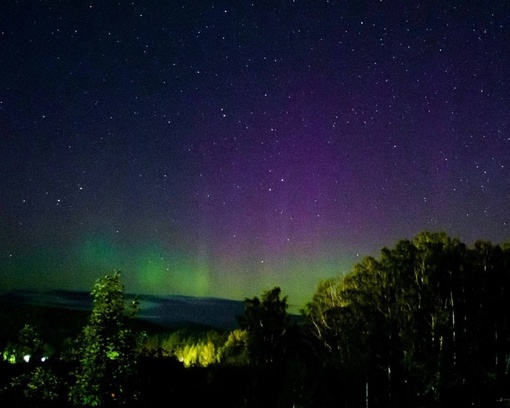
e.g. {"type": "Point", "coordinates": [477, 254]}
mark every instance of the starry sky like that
{"type": "Point", "coordinates": [221, 148]}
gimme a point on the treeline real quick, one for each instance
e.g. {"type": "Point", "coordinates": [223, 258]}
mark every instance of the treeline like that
{"type": "Point", "coordinates": [426, 324]}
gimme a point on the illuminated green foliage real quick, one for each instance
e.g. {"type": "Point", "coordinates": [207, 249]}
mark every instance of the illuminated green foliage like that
{"type": "Point", "coordinates": [29, 346]}
{"type": "Point", "coordinates": [42, 385]}
{"type": "Point", "coordinates": [198, 354]}
{"type": "Point", "coordinates": [36, 385]}
{"type": "Point", "coordinates": [202, 349]}
{"type": "Point", "coordinates": [107, 350]}
{"type": "Point", "coordinates": [235, 350]}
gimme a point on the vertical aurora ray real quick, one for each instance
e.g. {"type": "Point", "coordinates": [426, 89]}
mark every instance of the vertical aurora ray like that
{"type": "Point", "coordinates": [148, 266]}
{"type": "Point", "coordinates": [164, 270]}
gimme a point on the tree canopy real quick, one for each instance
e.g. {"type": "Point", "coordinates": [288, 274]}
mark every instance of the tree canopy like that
{"type": "Point", "coordinates": [106, 374]}
{"type": "Point", "coordinates": [426, 318]}
{"type": "Point", "coordinates": [265, 321]}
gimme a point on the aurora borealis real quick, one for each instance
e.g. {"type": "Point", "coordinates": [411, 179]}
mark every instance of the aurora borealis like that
{"type": "Point", "coordinates": [220, 148]}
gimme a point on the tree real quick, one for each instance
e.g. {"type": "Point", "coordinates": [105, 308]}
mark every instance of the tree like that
{"type": "Point", "coordinates": [37, 385]}
{"type": "Point", "coordinates": [427, 322]}
{"type": "Point", "coordinates": [106, 370]}
{"type": "Point", "coordinates": [235, 349]}
{"type": "Point", "coordinates": [320, 314]}
{"type": "Point", "coordinates": [29, 347]}
{"type": "Point", "coordinates": [266, 322]}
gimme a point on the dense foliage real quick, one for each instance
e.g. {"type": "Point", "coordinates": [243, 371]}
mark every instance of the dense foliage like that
{"type": "Point", "coordinates": [106, 351]}
{"type": "Point", "coordinates": [426, 324]}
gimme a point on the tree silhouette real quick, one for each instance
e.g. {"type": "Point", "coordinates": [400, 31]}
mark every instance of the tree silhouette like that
{"type": "Point", "coordinates": [266, 322]}
{"type": "Point", "coordinates": [427, 322]}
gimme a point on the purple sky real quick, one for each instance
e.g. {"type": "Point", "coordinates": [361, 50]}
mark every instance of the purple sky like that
{"type": "Point", "coordinates": [223, 148]}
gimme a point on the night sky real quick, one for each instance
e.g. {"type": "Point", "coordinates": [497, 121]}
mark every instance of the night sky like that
{"type": "Point", "coordinates": [221, 148]}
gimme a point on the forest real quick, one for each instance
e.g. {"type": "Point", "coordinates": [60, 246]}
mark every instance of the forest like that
{"type": "Point", "coordinates": [424, 324]}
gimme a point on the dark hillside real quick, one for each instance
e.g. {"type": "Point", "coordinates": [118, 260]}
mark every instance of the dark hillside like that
{"type": "Point", "coordinates": [60, 315]}
{"type": "Point", "coordinates": [54, 324]}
